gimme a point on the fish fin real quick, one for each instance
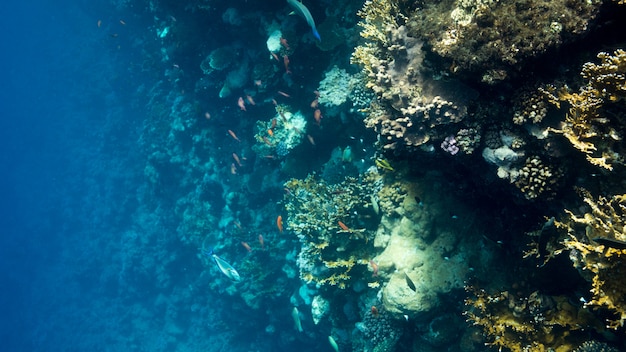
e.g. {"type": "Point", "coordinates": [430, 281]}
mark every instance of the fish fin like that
{"type": "Point", "coordinates": [316, 34]}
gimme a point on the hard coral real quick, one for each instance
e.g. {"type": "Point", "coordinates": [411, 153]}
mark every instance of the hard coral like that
{"type": "Point", "coordinates": [593, 122]}
{"type": "Point", "coordinates": [595, 242]}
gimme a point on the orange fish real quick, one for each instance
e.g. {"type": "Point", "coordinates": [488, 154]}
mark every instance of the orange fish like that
{"type": "Point", "coordinates": [261, 241]}
{"type": "Point", "coordinates": [315, 103]}
{"type": "Point", "coordinates": [236, 157]}
{"type": "Point", "coordinates": [250, 100]}
{"type": "Point", "coordinates": [317, 115]}
{"type": "Point", "coordinates": [374, 268]}
{"type": "Point", "coordinates": [232, 134]}
{"type": "Point", "coordinates": [343, 226]}
{"type": "Point", "coordinates": [241, 104]}
{"type": "Point", "coordinates": [99, 23]}
{"type": "Point", "coordinates": [246, 246]}
{"type": "Point", "coordinates": [270, 132]}
{"type": "Point", "coordinates": [279, 223]}
{"type": "Point", "coordinates": [233, 169]}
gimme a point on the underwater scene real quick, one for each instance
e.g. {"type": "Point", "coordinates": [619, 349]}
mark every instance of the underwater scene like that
{"type": "Point", "coordinates": [315, 175]}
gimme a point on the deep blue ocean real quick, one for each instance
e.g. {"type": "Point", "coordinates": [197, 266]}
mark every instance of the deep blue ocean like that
{"type": "Point", "coordinates": [154, 194]}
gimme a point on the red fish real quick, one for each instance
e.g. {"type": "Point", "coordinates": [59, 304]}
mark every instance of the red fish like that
{"type": "Point", "coordinates": [279, 223]}
{"type": "Point", "coordinates": [246, 246]}
{"type": "Point", "coordinates": [232, 134]}
{"type": "Point", "coordinates": [374, 311]}
{"type": "Point", "coordinates": [284, 43]}
{"type": "Point", "coordinates": [315, 103]}
{"type": "Point", "coordinates": [241, 104]}
{"type": "Point", "coordinates": [343, 226]}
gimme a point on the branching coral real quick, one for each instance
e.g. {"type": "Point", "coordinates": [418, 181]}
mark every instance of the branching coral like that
{"type": "Point", "coordinates": [331, 223]}
{"type": "Point", "coordinates": [597, 245]}
{"type": "Point", "coordinates": [533, 322]}
{"type": "Point", "coordinates": [595, 118]}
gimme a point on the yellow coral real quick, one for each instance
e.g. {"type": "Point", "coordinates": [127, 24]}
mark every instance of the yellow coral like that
{"type": "Point", "coordinates": [589, 238]}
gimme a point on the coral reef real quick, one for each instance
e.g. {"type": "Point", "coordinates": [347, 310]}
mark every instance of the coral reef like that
{"type": "Point", "coordinates": [331, 222]}
{"type": "Point", "coordinates": [597, 245]}
{"type": "Point", "coordinates": [593, 122]}
{"type": "Point", "coordinates": [281, 134]}
{"type": "Point", "coordinates": [412, 109]}
{"type": "Point", "coordinates": [528, 322]}
{"type": "Point", "coordinates": [490, 39]}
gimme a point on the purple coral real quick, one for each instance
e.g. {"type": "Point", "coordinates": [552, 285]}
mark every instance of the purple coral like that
{"type": "Point", "coordinates": [449, 145]}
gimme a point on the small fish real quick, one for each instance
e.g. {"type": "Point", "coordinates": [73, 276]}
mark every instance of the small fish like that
{"type": "Point", "coordinates": [284, 94]}
{"type": "Point", "coordinates": [317, 115]}
{"type": "Point", "coordinates": [284, 43]}
{"type": "Point", "coordinates": [233, 169]}
{"type": "Point", "coordinates": [315, 103]}
{"type": "Point", "coordinates": [246, 246]}
{"type": "Point", "coordinates": [273, 123]}
{"type": "Point", "coordinates": [99, 23]}
{"type": "Point", "coordinates": [374, 268]}
{"type": "Point", "coordinates": [207, 116]}
{"type": "Point", "coordinates": [237, 160]}
{"type": "Point", "coordinates": [409, 282]}
{"type": "Point", "coordinates": [258, 83]}
{"type": "Point", "coordinates": [286, 62]}
{"type": "Point", "coordinates": [270, 133]}
{"type": "Point", "coordinates": [343, 226]}
{"type": "Point", "coordinates": [267, 141]}
{"type": "Point", "coordinates": [224, 267]}
{"type": "Point", "coordinates": [232, 134]}
{"type": "Point", "coordinates": [250, 100]}
{"type": "Point", "coordinates": [296, 319]}
{"type": "Point", "coordinates": [262, 241]}
{"type": "Point", "coordinates": [384, 164]}
{"type": "Point", "coordinates": [122, 22]}
{"type": "Point", "coordinates": [374, 311]}
{"type": "Point", "coordinates": [275, 56]}
{"type": "Point", "coordinates": [279, 223]}
{"type": "Point", "coordinates": [333, 344]}
{"type": "Point", "coordinates": [241, 104]}
{"type": "Point", "coordinates": [311, 140]}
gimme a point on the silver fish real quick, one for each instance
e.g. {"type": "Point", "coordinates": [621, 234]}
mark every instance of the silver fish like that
{"type": "Point", "coordinates": [225, 268]}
